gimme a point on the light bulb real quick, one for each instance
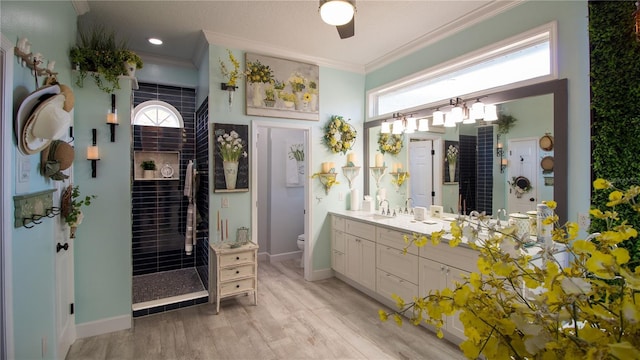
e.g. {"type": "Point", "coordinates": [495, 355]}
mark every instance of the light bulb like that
{"type": "Point", "coordinates": [336, 12]}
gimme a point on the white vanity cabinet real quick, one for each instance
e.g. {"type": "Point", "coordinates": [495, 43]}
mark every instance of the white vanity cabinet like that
{"type": "Point", "coordinates": [442, 266]}
{"type": "Point", "coordinates": [338, 244]}
{"type": "Point", "coordinates": [396, 272]}
{"type": "Point", "coordinates": [361, 261]}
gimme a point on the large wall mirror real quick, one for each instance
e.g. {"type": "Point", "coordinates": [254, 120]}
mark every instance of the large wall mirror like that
{"type": "Point", "coordinates": [478, 181]}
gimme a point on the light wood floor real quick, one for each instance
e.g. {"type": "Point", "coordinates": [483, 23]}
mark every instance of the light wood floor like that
{"type": "Point", "coordinates": [294, 319]}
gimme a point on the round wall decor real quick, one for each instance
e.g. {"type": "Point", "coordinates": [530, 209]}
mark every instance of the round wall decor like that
{"type": "Point", "coordinates": [546, 142]}
{"type": "Point", "coordinates": [547, 164]}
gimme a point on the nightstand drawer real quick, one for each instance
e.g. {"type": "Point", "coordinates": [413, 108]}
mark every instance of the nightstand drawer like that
{"type": "Point", "coordinates": [237, 258]}
{"type": "Point", "coordinates": [237, 286]}
{"type": "Point", "coordinates": [236, 272]}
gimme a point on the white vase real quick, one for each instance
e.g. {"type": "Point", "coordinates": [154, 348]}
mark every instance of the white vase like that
{"type": "Point", "coordinates": [288, 104]}
{"type": "Point", "coordinates": [149, 174]}
{"type": "Point", "coordinates": [230, 173]}
{"type": "Point", "coordinates": [299, 100]}
{"type": "Point", "coordinates": [300, 165]}
{"type": "Point", "coordinates": [256, 96]}
{"type": "Point", "coordinates": [231, 91]}
{"type": "Point", "coordinates": [314, 102]}
{"type": "Point", "coordinates": [452, 172]}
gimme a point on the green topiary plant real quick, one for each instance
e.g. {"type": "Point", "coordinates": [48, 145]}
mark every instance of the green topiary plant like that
{"type": "Point", "coordinates": [148, 165]}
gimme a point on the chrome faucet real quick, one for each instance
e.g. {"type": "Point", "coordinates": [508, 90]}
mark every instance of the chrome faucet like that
{"type": "Point", "coordinates": [406, 210]}
{"type": "Point", "coordinates": [382, 202]}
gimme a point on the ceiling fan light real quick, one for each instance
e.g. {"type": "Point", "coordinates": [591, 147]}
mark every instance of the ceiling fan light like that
{"type": "Point", "coordinates": [423, 125]}
{"type": "Point", "coordinates": [336, 12]}
{"type": "Point", "coordinates": [397, 127]}
{"type": "Point", "coordinates": [490, 113]}
{"type": "Point", "coordinates": [438, 118]}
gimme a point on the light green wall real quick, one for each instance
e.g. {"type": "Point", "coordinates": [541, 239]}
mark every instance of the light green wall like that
{"type": "Point", "coordinates": [102, 253]}
{"type": "Point", "coordinates": [168, 74]}
{"type": "Point", "coordinates": [573, 64]}
{"type": "Point", "coordinates": [50, 27]}
{"type": "Point", "coordinates": [341, 93]}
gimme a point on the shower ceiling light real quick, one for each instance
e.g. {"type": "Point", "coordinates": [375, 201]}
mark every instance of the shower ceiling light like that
{"type": "Point", "coordinates": [155, 41]}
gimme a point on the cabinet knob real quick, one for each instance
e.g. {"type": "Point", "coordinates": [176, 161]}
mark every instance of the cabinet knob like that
{"type": "Point", "coordinates": [237, 257]}
{"type": "Point", "coordinates": [237, 271]}
{"type": "Point", "coordinates": [238, 286]}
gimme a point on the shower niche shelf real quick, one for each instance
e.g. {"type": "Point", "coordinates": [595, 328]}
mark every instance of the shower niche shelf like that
{"type": "Point", "coordinates": [167, 165]}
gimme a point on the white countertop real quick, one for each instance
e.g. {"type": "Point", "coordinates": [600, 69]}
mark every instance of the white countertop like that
{"type": "Point", "coordinates": [406, 223]}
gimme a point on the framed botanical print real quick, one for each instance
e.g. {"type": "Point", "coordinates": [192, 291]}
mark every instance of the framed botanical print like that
{"type": "Point", "coordinates": [451, 156]}
{"type": "Point", "coordinates": [231, 153]}
{"type": "Point", "coordinates": [281, 88]}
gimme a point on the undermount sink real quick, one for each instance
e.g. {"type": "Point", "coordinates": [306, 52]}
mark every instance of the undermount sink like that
{"type": "Point", "coordinates": [378, 217]}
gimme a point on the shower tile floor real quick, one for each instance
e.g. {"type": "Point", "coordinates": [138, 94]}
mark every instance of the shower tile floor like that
{"type": "Point", "coordinates": [166, 284]}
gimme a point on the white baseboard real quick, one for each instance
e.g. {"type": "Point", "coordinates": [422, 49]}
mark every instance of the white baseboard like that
{"type": "Point", "coordinates": [104, 326]}
{"type": "Point", "coordinates": [284, 256]}
{"type": "Point", "coordinates": [321, 274]}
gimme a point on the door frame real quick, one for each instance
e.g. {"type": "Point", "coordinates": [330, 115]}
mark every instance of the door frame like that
{"type": "Point", "coordinates": [6, 133]}
{"type": "Point", "coordinates": [255, 124]}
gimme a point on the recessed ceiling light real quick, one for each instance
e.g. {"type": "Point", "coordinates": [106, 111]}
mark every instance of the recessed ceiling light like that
{"type": "Point", "coordinates": [155, 41]}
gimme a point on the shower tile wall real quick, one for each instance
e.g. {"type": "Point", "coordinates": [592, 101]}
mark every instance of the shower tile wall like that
{"type": "Point", "coordinates": [486, 158]}
{"type": "Point", "coordinates": [159, 206]}
{"type": "Point", "coordinates": [202, 198]}
{"type": "Point", "coordinates": [467, 180]}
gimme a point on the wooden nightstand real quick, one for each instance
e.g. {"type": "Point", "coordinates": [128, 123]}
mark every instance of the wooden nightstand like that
{"type": "Point", "coordinates": [233, 271]}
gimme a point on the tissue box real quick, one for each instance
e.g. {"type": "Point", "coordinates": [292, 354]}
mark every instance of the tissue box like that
{"type": "Point", "coordinates": [367, 205]}
{"type": "Point", "coordinates": [419, 213]}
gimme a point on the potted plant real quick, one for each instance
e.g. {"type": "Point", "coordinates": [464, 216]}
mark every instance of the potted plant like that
{"type": "Point", "coordinates": [148, 167]}
{"type": "Point", "coordinates": [288, 98]}
{"type": "Point", "coordinates": [99, 55]}
{"type": "Point", "coordinates": [270, 97]}
{"type": "Point", "coordinates": [131, 60]}
{"type": "Point", "coordinates": [71, 207]}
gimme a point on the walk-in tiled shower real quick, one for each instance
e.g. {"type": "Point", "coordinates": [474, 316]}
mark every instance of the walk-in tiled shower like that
{"type": "Point", "coordinates": [165, 277]}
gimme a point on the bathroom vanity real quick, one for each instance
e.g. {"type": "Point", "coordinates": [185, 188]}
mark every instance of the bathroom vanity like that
{"type": "Point", "coordinates": [233, 271]}
{"type": "Point", "coordinates": [367, 253]}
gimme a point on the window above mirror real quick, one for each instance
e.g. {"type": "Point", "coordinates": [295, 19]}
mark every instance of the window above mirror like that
{"type": "Point", "coordinates": [523, 59]}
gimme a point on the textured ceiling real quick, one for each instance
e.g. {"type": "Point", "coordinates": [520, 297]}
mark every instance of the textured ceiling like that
{"type": "Point", "coordinates": [384, 29]}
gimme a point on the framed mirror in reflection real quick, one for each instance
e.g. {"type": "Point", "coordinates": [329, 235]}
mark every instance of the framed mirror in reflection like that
{"type": "Point", "coordinates": [489, 159]}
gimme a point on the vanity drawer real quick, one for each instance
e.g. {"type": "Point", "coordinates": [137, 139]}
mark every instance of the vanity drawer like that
{"type": "Point", "coordinates": [393, 261]}
{"type": "Point", "coordinates": [237, 286]}
{"type": "Point", "coordinates": [459, 257]}
{"type": "Point", "coordinates": [337, 223]}
{"type": "Point", "coordinates": [361, 230]}
{"type": "Point", "coordinates": [338, 261]}
{"type": "Point", "coordinates": [338, 241]}
{"type": "Point", "coordinates": [236, 272]}
{"type": "Point", "coordinates": [395, 239]}
{"type": "Point", "coordinates": [387, 284]}
{"type": "Point", "coordinates": [237, 258]}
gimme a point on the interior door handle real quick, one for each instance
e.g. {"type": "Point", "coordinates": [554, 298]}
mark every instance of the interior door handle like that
{"type": "Point", "coordinates": [62, 247]}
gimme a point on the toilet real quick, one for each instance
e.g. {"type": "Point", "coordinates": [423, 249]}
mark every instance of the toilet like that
{"type": "Point", "coordinates": [301, 247]}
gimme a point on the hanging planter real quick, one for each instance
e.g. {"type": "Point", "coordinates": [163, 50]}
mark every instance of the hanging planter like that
{"type": "Point", "coordinates": [231, 90]}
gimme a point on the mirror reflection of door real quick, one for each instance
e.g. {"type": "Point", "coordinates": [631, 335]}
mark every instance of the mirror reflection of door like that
{"type": "Point", "coordinates": [523, 161]}
{"type": "Point", "coordinates": [421, 170]}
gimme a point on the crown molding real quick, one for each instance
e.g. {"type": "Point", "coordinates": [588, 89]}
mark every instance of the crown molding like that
{"type": "Point", "coordinates": [81, 6]}
{"type": "Point", "coordinates": [215, 38]}
{"type": "Point", "coordinates": [490, 10]}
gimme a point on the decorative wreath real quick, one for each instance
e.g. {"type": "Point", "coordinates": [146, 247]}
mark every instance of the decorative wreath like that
{"type": "Point", "coordinates": [389, 143]}
{"type": "Point", "coordinates": [339, 135]}
{"type": "Point", "coordinates": [521, 185]}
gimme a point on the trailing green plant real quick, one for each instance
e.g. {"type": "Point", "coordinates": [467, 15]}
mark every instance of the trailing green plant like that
{"type": "Point", "coordinates": [98, 54]}
{"type": "Point", "coordinates": [615, 118]}
{"type": "Point", "coordinates": [74, 216]}
{"type": "Point", "coordinates": [148, 165]}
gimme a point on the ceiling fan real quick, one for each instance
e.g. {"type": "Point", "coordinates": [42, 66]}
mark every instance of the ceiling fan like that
{"type": "Point", "coordinates": [340, 13]}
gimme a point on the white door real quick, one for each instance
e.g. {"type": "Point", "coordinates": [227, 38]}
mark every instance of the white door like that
{"type": "Point", "coordinates": [523, 161]}
{"type": "Point", "coordinates": [65, 320]}
{"type": "Point", "coordinates": [421, 168]}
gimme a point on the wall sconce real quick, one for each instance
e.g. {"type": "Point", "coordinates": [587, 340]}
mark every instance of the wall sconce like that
{"type": "Point", "coordinates": [503, 164]}
{"type": "Point", "coordinates": [93, 154]}
{"type": "Point", "coordinates": [112, 118]}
